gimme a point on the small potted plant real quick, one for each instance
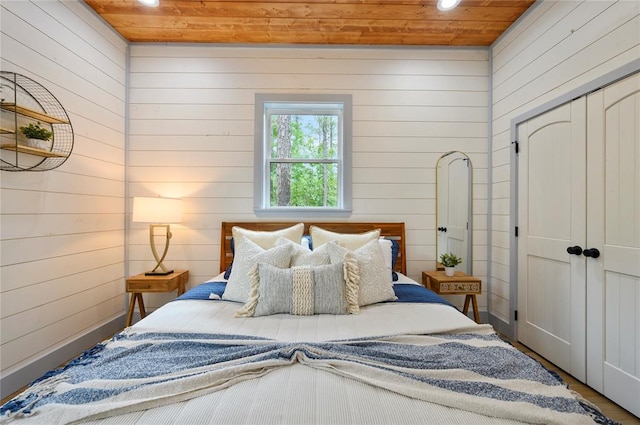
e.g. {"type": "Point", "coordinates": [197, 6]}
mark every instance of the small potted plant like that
{"type": "Point", "coordinates": [38, 136]}
{"type": "Point", "coordinates": [449, 260]}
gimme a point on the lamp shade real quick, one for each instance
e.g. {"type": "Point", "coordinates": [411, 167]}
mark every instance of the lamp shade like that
{"type": "Point", "coordinates": [157, 210]}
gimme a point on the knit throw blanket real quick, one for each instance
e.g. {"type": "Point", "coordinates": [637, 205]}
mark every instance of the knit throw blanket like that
{"type": "Point", "coordinates": [140, 370]}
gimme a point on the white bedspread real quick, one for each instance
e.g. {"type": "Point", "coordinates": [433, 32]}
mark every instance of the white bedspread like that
{"type": "Point", "coordinates": [299, 394]}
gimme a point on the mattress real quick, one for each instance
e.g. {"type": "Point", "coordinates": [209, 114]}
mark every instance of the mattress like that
{"type": "Point", "coordinates": [375, 320]}
{"type": "Point", "coordinates": [297, 393]}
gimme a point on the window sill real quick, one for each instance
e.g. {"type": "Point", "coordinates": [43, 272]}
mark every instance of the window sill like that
{"type": "Point", "coordinates": [302, 212]}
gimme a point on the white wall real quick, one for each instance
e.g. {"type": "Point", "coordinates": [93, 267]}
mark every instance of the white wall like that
{"type": "Point", "coordinates": [62, 231]}
{"type": "Point", "coordinates": [555, 48]}
{"type": "Point", "coordinates": [191, 136]}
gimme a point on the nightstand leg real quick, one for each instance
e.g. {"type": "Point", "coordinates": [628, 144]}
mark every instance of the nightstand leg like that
{"type": "Point", "coordinates": [181, 287]}
{"type": "Point", "coordinates": [476, 315]}
{"type": "Point", "coordinates": [474, 303]}
{"type": "Point", "coordinates": [465, 309]}
{"type": "Point", "coordinates": [143, 312]}
{"type": "Point", "coordinates": [132, 302]}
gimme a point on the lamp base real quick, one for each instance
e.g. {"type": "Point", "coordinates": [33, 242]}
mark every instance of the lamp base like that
{"type": "Point", "coordinates": [159, 273]}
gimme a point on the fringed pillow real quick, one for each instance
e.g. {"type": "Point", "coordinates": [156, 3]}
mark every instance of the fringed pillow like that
{"type": "Point", "coordinates": [301, 290]}
{"type": "Point", "coordinates": [375, 284]}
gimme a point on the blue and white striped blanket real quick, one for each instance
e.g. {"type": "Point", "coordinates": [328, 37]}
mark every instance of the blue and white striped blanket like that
{"type": "Point", "coordinates": [139, 370]}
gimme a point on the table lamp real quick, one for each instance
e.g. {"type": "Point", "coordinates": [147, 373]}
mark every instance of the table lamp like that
{"type": "Point", "coordinates": [158, 211]}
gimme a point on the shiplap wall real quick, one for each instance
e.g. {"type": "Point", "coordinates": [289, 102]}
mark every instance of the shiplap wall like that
{"type": "Point", "coordinates": [557, 47]}
{"type": "Point", "coordinates": [191, 136]}
{"type": "Point", "coordinates": [62, 231]}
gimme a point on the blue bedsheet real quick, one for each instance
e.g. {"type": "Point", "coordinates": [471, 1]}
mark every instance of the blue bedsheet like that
{"type": "Point", "coordinates": [406, 293]}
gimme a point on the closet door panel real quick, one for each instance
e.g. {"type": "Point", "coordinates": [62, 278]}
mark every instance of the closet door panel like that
{"type": "Point", "coordinates": [622, 180]}
{"type": "Point", "coordinates": [613, 226]}
{"type": "Point", "coordinates": [551, 218]}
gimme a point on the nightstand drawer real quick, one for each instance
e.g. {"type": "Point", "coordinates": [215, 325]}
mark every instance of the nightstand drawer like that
{"type": "Point", "coordinates": [151, 286]}
{"type": "Point", "coordinates": [456, 287]}
{"type": "Point", "coordinates": [159, 283]}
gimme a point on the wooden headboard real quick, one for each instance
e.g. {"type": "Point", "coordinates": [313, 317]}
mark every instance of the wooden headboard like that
{"type": "Point", "coordinates": [393, 231]}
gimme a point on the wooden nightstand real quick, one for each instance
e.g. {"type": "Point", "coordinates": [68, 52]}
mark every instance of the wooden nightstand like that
{"type": "Point", "coordinates": [142, 283]}
{"type": "Point", "coordinates": [458, 284]}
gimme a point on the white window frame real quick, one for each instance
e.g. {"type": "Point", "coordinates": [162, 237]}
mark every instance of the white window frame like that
{"type": "Point", "coordinates": [262, 162]}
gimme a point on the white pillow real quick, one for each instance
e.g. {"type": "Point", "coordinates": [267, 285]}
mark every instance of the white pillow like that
{"type": "Point", "coordinates": [350, 241]}
{"type": "Point", "coordinates": [266, 239]}
{"type": "Point", "coordinates": [385, 245]}
{"type": "Point", "coordinates": [247, 255]}
{"type": "Point", "coordinates": [375, 282]}
{"type": "Point", "coordinates": [303, 256]}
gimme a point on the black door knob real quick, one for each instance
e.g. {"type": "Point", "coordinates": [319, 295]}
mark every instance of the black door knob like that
{"type": "Point", "coordinates": [592, 252]}
{"type": "Point", "coordinates": [574, 250]}
{"type": "Point", "coordinates": [442, 229]}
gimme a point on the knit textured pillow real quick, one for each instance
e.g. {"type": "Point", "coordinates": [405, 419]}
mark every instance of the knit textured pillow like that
{"type": "Point", "coordinates": [301, 290]}
{"type": "Point", "coordinates": [375, 284]}
{"type": "Point", "coordinates": [247, 255]}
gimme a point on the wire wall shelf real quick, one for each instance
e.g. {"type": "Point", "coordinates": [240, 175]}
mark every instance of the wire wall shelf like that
{"type": "Point", "coordinates": [24, 101]}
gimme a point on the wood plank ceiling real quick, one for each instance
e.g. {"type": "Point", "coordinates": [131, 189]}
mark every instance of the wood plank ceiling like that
{"type": "Point", "coordinates": [320, 22]}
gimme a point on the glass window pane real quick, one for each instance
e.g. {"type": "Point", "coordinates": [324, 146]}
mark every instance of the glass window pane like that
{"type": "Point", "coordinates": [303, 185]}
{"type": "Point", "coordinates": [302, 154]}
{"type": "Point", "coordinates": [304, 136]}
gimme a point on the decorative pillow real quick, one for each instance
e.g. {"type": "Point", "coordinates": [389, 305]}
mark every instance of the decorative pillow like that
{"type": "Point", "coordinates": [385, 246]}
{"type": "Point", "coordinates": [390, 249]}
{"type": "Point", "coordinates": [375, 283]}
{"type": "Point", "coordinates": [303, 290]}
{"type": "Point", "coordinates": [301, 256]}
{"type": "Point", "coordinates": [350, 241]}
{"type": "Point", "coordinates": [395, 251]}
{"type": "Point", "coordinates": [305, 241]}
{"type": "Point", "coordinates": [227, 272]}
{"type": "Point", "coordinates": [268, 240]}
{"type": "Point", "coordinates": [247, 255]}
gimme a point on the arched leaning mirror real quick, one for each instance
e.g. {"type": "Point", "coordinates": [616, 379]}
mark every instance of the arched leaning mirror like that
{"type": "Point", "coordinates": [453, 203]}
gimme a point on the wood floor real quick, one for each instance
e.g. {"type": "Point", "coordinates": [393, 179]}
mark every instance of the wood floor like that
{"type": "Point", "coordinates": [608, 407]}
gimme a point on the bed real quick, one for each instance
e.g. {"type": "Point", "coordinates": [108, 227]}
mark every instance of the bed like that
{"type": "Point", "coordinates": [404, 356]}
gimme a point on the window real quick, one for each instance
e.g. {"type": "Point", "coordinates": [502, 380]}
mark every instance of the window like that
{"type": "Point", "coordinates": [302, 154]}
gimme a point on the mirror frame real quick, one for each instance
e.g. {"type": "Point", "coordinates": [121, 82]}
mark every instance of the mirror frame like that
{"type": "Point", "coordinates": [468, 256]}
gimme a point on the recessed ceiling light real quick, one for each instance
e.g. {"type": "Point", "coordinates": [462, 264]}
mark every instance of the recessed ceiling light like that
{"type": "Point", "coordinates": [152, 3]}
{"type": "Point", "coordinates": [445, 5]}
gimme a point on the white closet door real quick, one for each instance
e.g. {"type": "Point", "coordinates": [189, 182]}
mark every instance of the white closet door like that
{"type": "Point", "coordinates": [613, 227]}
{"type": "Point", "coordinates": [551, 218]}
